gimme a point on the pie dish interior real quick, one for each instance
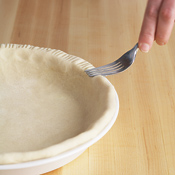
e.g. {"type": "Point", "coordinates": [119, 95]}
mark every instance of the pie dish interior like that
{"type": "Point", "coordinates": [48, 105]}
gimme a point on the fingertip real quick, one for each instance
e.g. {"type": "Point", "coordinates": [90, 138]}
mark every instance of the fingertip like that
{"type": "Point", "coordinates": [160, 42]}
{"type": "Point", "coordinates": [144, 47]}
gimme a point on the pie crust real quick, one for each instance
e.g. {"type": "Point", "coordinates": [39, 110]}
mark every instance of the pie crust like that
{"type": "Point", "coordinates": [48, 105]}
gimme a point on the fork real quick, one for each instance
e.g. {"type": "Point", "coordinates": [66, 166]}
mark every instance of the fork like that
{"type": "Point", "coordinates": [115, 67]}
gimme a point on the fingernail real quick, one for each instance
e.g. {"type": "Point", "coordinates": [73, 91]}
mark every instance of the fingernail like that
{"type": "Point", "coordinates": [161, 43]}
{"type": "Point", "coordinates": [144, 47]}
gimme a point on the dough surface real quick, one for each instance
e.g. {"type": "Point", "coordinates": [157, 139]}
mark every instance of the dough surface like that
{"type": "Point", "coordinates": [48, 105]}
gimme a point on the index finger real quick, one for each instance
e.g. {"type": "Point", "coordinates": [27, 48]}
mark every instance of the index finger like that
{"type": "Point", "coordinates": [148, 29]}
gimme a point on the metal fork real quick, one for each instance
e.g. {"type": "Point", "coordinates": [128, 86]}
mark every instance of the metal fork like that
{"type": "Point", "coordinates": [117, 66]}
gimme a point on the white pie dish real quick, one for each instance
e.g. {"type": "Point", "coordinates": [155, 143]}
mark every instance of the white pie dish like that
{"type": "Point", "coordinates": [45, 158]}
{"type": "Point", "coordinates": [49, 164]}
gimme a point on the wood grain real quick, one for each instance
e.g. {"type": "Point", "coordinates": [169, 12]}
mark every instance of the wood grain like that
{"type": "Point", "coordinates": [142, 139]}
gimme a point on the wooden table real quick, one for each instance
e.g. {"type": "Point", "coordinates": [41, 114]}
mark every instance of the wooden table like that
{"type": "Point", "coordinates": [142, 140]}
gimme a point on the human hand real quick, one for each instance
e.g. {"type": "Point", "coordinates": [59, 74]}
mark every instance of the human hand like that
{"type": "Point", "coordinates": [157, 24]}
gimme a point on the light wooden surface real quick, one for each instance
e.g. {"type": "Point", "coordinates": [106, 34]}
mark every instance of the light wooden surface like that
{"type": "Point", "coordinates": [142, 140]}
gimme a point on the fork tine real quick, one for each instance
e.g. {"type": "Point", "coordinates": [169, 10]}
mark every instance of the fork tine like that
{"type": "Point", "coordinates": [106, 73]}
{"type": "Point", "coordinates": [105, 69]}
{"type": "Point", "coordinates": [115, 66]}
{"type": "Point", "coordinates": [104, 66]}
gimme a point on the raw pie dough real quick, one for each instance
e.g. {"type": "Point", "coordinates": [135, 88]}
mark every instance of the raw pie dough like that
{"type": "Point", "coordinates": [48, 105]}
